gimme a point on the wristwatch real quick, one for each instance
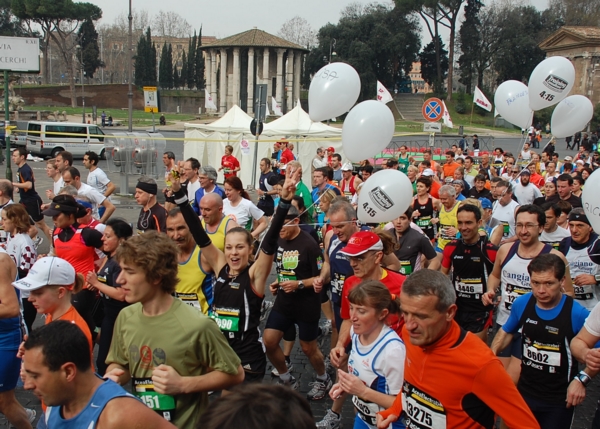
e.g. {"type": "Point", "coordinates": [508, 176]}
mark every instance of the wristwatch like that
{"type": "Point", "coordinates": [300, 285]}
{"type": "Point", "coordinates": [597, 277]}
{"type": "Point", "coordinates": [583, 378]}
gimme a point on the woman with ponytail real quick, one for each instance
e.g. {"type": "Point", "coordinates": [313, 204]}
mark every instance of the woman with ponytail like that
{"type": "Point", "coordinates": [376, 362]}
{"type": "Point", "coordinates": [240, 285]}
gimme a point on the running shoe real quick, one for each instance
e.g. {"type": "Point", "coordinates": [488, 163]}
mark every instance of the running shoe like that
{"type": "Point", "coordinates": [37, 241]}
{"type": "Point", "coordinates": [293, 383]}
{"type": "Point", "coordinates": [326, 327]}
{"type": "Point", "coordinates": [330, 421]}
{"type": "Point", "coordinates": [290, 367]}
{"type": "Point", "coordinates": [30, 415]}
{"type": "Point", "coordinates": [319, 389]}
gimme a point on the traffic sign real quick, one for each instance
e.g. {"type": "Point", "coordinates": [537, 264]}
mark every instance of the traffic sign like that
{"type": "Point", "coordinates": [150, 99]}
{"type": "Point", "coordinates": [433, 110]}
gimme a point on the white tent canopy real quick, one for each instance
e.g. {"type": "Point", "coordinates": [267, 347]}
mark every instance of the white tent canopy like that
{"type": "Point", "coordinates": [234, 126]}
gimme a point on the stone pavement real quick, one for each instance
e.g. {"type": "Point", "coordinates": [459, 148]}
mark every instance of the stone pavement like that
{"type": "Point", "coordinates": [127, 209]}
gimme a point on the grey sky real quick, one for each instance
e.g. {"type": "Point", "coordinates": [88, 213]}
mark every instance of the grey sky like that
{"type": "Point", "coordinates": [223, 18]}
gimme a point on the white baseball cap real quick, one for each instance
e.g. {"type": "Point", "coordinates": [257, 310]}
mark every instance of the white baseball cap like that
{"type": "Point", "coordinates": [428, 172]}
{"type": "Point", "coordinates": [347, 167]}
{"type": "Point", "coordinates": [47, 271]}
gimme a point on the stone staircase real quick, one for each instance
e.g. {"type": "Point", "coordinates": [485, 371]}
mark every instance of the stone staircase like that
{"type": "Point", "coordinates": [410, 106]}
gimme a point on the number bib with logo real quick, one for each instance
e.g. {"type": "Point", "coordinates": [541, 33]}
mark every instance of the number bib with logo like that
{"type": "Point", "coordinates": [367, 411]}
{"type": "Point", "coordinates": [422, 411]}
{"type": "Point", "coordinates": [143, 388]}
{"type": "Point", "coordinates": [424, 222]}
{"type": "Point", "coordinates": [227, 323]}
{"type": "Point", "coordinates": [285, 276]}
{"type": "Point", "coordinates": [584, 293]}
{"type": "Point", "coordinates": [443, 234]}
{"type": "Point", "coordinates": [190, 299]}
{"type": "Point", "coordinates": [469, 288]}
{"type": "Point", "coordinates": [337, 283]}
{"type": "Point", "coordinates": [512, 293]}
{"type": "Point", "coordinates": [505, 229]}
{"type": "Point", "coordinates": [542, 356]}
{"type": "Point", "coordinates": [405, 268]}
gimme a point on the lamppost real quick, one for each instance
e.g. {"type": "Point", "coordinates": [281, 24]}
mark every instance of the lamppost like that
{"type": "Point", "coordinates": [82, 88]}
{"type": "Point", "coordinates": [331, 48]}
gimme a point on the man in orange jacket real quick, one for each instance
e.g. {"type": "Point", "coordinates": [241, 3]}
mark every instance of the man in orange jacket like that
{"type": "Point", "coordinates": [451, 378]}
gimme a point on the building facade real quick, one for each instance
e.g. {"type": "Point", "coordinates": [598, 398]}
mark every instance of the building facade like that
{"type": "Point", "coordinates": [581, 45]}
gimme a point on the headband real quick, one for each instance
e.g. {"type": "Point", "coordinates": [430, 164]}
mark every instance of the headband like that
{"type": "Point", "coordinates": [151, 188]}
{"type": "Point", "coordinates": [579, 217]}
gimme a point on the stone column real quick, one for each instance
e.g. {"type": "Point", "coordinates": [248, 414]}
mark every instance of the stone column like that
{"type": "Point", "coordinates": [250, 109]}
{"type": "Point", "coordinates": [207, 71]}
{"type": "Point", "coordinates": [297, 74]}
{"type": "Point", "coordinates": [223, 83]}
{"type": "Point", "coordinates": [213, 75]}
{"type": "Point", "coordinates": [289, 83]}
{"type": "Point", "coordinates": [279, 87]}
{"type": "Point", "coordinates": [265, 76]}
{"type": "Point", "coordinates": [236, 77]}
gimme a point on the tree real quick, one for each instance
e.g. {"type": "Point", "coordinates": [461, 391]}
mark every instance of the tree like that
{"type": "Point", "coordinates": [164, 68]}
{"type": "Point", "coordinates": [576, 12]}
{"type": "Point", "coordinates": [191, 66]}
{"type": "Point", "coordinates": [170, 24]}
{"type": "Point", "coordinates": [169, 66]}
{"type": "Point", "coordinates": [297, 30]}
{"type": "Point", "coordinates": [176, 78]}
{"type": "Point", "coordinates": [199, 66]}
{"type": "Point", "coordinates": [90, 52]}
{"type": "Point", "coordinates": [184, 70]}
{"type": "Point", "coordinates": [429, 69]}
{"type": "Point", "coordinates": [58, 20]}
{"type": "Point", "coordinates": [381, 43]}
{"type": "Point", "coordinates": [140, 62]}
{"type": "Point", "coordinates": [145, 61]}
{"type": "Point", "coordinates": [470, 41]}
{"type": "Point", "coordinates": [10, 25]}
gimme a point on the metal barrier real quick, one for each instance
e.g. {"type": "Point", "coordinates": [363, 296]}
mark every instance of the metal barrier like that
{"type": "Point", "coordinates": [136, 153]}
{"type": "Point", "coordinates": [438, 145]}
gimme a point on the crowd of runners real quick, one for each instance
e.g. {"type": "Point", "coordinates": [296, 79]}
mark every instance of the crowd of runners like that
{"type": "Point", "coordinates": [476, 307]}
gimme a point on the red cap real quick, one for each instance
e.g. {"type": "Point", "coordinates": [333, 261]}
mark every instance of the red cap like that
{"type": "Point", "coordinates": [361, 242]}
{"type": "Point", "coordinates": [330, 149]}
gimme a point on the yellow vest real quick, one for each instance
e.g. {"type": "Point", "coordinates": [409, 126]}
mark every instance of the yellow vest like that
{"type": "Point", "coordinates": [447, 219]}
{"type": "Point", "coordinates": [195, 287]}
{"type": "Point", "coordinates": [218, 237]}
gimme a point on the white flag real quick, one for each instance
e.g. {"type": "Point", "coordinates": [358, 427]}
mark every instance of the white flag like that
{"type": "Point", "coordinates": [481, 101]}
{"type": "Point", "coordinates": [446, 117]}
{"type": "Point", "coordinates": [276, 107]}
{"type": "Point", "coordinates": [383, 94]}
{"type": "Point", "coordinates": [208, 101]}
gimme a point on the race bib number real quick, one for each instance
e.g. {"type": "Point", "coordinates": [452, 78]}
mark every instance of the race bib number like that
{"type": "Point", "coordinates": [424, 222]}
{"type": "Point", "coordinates": [512, 293]}
{"type": "Point", "coordinates": [227, 323]}
{"type": "Point", "coordinates": [584, 293]}
{"type": "Point", "coordinates": [505, 229]}
{"type": "Point", "coordinates": [422, 411]}
{"type": "Point", "coordinates": [282, 277]}
{"type": "Point", "coordinates": [405, 268]}
{"type": "Point", "coordinates": [541, 356]}
{"type": "Point", "coordinates": [366, 410]}
{"type": "Point", "coordinates": [468, 289]}
{"type": "Point", "coordinates": [444, 234]}
{"type": "Point", "coordinates": [164, 405]}
{"type": "Point", "coordinates": [337, 284]}
{"type": "Point", "coordinates": [190, 299]}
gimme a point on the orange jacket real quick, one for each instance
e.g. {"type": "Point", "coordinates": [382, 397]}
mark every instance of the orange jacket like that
{"type": "Point", "coordinates": [458, 383]}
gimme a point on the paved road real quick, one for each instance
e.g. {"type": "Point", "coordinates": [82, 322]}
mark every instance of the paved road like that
{"type": "Point", "coordinates": [127, 209]}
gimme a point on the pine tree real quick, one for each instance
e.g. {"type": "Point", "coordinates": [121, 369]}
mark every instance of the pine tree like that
{"type": "Point", "coordinates": [88, 40]}
{"type": "Point", "coordinates": [176, 78]}
{"type": "Point", "coordinates": [191, 69]}
{"type": "Point", "coordinates": [152, 62]}
{"type": "Point", "coordinates": [184, 71]}
{"type": "Point", "coordinates": [199, 71]}
{"type": "Point", "coordinates": [140, 62]}
{"type": "Point", "coordinates": [169, 66]}
{"type": "Point", "coordinates": [163, 75]}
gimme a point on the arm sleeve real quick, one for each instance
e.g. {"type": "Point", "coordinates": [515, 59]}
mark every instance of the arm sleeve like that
{"type": "Point", "coordinates": [512, 324]}
{"type": "Point", "coordinates": [536, 192]}
{"type": "Point", "coordinates": [504, 399]}
{"type": "Point", "coordinates": [92, 238]}
{"type": "Point", "coordinates": [161, 220]}
{"type": "Point", "coordinates": [427, 249]}
{"type": "Point", "coordinates": [96, 196]}
{"type": "Point", "coordinates": [117, 353]}
{"type": "Point", "coordinates": [255, 212]}
{"type": "Point", "coordinates": [101, 177]}
{"type": "Point", "coordinates": [269, 243]}
{"type": "Point", "coordinates": [191, 219]}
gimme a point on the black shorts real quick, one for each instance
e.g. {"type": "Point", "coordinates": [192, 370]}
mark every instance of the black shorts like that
{"type": "Point", "coordinates": [474, 322]}
{"type": "Point", "coordinates": [255, 371]}
{"type": "Point", "coordinates": [307, 331]}
{"type": "Point", "coordinates": [34, 208]}
{"type": "Point", "coordinates": [515, 347]}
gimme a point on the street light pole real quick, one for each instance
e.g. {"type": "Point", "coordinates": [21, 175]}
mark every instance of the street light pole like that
{"type": "Point", "coordinates": [130, 90]}
{"type": "Point", "coordinates": [331, 48]}
{"type": "Point", "coordinates": [82, 87]}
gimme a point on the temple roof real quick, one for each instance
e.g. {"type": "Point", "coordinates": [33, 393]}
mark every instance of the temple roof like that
{"type": "Point", "coordinates": [253, 38]}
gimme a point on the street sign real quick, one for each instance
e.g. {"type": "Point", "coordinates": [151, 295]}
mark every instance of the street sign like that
{"type": "Point", "coordinates": [256, 127]}
{"type": "Point", "coordinates": [150, 99]}
{"type": "Point", "coordinates": [432, 127]}
{"type": "Point", "coordinates": [20, 54]}
{"type": "Point", "coordinates": [433, 110]}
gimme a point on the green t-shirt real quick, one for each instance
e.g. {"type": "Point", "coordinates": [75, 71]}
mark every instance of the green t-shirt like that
{"type": "Point", "coordinates": [403, 163]}
{"type": "Point", "coordinates": [183, 338]}
{"type": "Point", "coordinates": [303, 191]}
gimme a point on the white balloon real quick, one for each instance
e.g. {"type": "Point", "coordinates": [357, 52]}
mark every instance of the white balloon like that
{"type": "Point", "coordinates": [333, 91]}
{"type": "Point", "coordinates": [571, 115]}
{"type": "Point", "coordinates": [590, 200]}
{"type": "Point", "coordinates": [367, 130]}
{"type": "Point", "coordinates": [550, 82]}
{"type": "Point", "coordinates": [385, 196]}
{"type": "Point", "coordinates": [512, 102]}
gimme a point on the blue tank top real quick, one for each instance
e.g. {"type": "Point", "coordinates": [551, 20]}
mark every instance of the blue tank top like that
{"type": "Point", "coordinates": [339, 266]}
{"type": "Point", "coordinates": [89, 416]}
{"type": "Point", "coordinates": [11, 333]}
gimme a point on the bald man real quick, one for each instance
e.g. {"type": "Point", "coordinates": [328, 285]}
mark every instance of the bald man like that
{"type": "Point", "coordinates": [214, 221]}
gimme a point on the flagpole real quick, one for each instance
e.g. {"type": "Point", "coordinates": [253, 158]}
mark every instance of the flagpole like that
{"type": "Point", "coordinates": [472, 108]}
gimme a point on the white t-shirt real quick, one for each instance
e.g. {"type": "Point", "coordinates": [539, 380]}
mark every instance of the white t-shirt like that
{"type": "Point", "coordinates": [22, 250]}
{"type": "Point", "coordinates": [4, 234]}
{"type": "Point", "coordinates": [555, 236]}
{"type": "Point", "coordinates": [526, 194]}
{"type": "Point", "coordinates": [58, 185]}
{"type": "Point", "coordinates": [243, 213]}
{"type": "Point", "coordinates": [319, 162]}
{"type": "Point", "coordinates": [526, 154]}
{"type": "Point", "coordinates": [98, 180]}
{"type": "Point", "coordinates": [95, 197]}
{"type": "Point", "coordinates": [192, 187]}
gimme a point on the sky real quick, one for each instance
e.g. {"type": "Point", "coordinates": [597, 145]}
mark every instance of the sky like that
{"type": "Point", "coordinates": [217, 19]}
